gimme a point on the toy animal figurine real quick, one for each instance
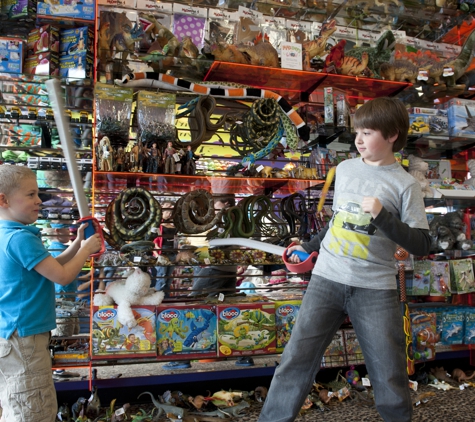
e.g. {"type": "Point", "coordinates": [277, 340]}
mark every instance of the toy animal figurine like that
{"type": "Point", "coordinates": [224, 398]}
{"type": "Point", "coordinates": [318, 47]}
{"type": "Point", "coordinates": [227, 412]}
{"type": "Point", "coordinates": [377, 55]}
{"type": "Point", "coordinates": [135, 290]}
{"type": "Point", "coordinates": [260, 393]}
{"type": "Point", "coordinates": [261, 54]}
{"type": "Point", "coordinates": [93, 404]}
{"type": "Point", "coordinates": [63, 413]}
{"type": "Point", "coordinates": [460, 376]}
{"type": "Point", "coordinates": [166, 408]}
{"type": "Point", "coordinates": [76, 407]}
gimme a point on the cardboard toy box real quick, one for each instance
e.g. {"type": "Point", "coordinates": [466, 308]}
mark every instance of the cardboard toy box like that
{"type": "Point", "coordinates": [68, 9]}
{"type": "Point", "coordinates": [469, 328]}
{"type": "Point", "coordinates": [44, 38]}
{"type": "Point", "coordinates": [453, 319]}
{"type": "Point", "coordinates": [110, 339]}
{"type": "Point", "coordinates": [354, 353]}
{"type": "Point", "coordinates": [77, 66]}
{"type": "Point", "coordinates": [12, 53]}
{"type": "Point", "coordinates": [246, 329]}
{"type": "Point", "coordinates": [25, 9]}
{"type": "Point", "coordinates": [461, 116]}
{"type": "Point", "coordinates": [43, 64]}
{"type": "Point", "coordinates": [186, 331]}
{"type": "Point", "coordinates": [286, 312]}
{"type": "Point", "coordinates": [76, 40]}
{"type": "Point", "coordinates": [335, 355]}
{"type": "Point", "coordinates": [428, 121]}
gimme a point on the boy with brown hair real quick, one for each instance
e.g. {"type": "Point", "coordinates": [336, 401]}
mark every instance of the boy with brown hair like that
{"type": "Point", "coordinates": [27, 298]}
{"type": "Point", "coordinates": [377, 205]}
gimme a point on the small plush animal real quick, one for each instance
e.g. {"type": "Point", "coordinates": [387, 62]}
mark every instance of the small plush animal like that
{"type": "Point", "coordinates": [417, 169]}
{"type": "Point", "coordinates": [135, 290]}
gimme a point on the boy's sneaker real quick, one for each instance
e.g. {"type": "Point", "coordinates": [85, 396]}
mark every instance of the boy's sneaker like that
{"type": "Point", "coordinates": [177, 365]}
{"type": "Point", "coordinates": [245, 361]}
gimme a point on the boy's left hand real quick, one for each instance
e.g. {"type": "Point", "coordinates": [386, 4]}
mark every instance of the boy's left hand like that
{"type": "Point", "coordinates": [371, 205]}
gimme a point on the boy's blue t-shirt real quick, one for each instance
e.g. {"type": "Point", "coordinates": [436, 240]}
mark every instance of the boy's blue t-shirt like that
{"type": "Point", "coordinates": [27, 302]}
{"type": "Point", "coordinates": [55, 249]}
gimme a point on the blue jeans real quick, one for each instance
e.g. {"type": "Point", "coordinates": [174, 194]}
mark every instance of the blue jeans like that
{"type": "Point", "coordinates": [377, 320]}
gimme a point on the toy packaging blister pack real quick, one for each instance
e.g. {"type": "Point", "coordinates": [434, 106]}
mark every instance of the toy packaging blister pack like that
{"type": "Point", "coordinates": [421, 279]}
{"type": "Point", "coordinates": [111, 339]}
{"type": "Point", "coordinates": [186, 331]}
{"type": "Point", "coordinates": [439, 278]}
{"type": "Point", "coordinates": [113, 112]}
{"type": "Point", "coordinates": [424, 335]}
{"type": "Point", "coordinates": [246, 329]}
{"type": "Point", "coordinates": [461, 276]}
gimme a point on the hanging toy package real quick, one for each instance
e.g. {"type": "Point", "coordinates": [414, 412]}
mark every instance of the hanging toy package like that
{"type": "Point", "coordinates": [113, 111]}
{"type": "Point", "coordinates": [156, 118]}
{"type": "Point", "coordinates": [190, 22]}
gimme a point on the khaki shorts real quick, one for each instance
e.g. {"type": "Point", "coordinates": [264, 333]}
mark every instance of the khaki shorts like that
{"type": "Point", "coordinates": [27, 390]}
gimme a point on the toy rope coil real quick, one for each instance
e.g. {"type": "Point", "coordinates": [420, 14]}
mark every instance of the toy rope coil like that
{"type": "Point", "coordinates": [131, 215]}
{"type": "Point", "coordinates": [194, 213]}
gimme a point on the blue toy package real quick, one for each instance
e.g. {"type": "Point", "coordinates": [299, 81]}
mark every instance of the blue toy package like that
{"type": "Point", "coordinates": [453, 325]}
{"type": "Point", "coordinates": [76, 40]}
{"type": "Point", "coordinates": [469, 331]}
{"type": "Point", "coordinates": [12, 52]}
{"type": "Point", "coordinates": [186, 331]}
{"type": "Point", "coordinates": [77, 66]}
{"type": "Point", "coordinates": [68, 9]}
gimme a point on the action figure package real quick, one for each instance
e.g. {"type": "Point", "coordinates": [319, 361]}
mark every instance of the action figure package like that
{"type": "Point", "coordinates": [461, 276]}
{"type": "Point", "coordinates": [156, 118]}
{"type": "Point", "coordinates": [110, 339]}
{"type": "Point", "coordinates": [286, 312]}
{"type": "Point", "coordinates": [424, 335]}
{"type": "Point", "coordinates": [439, 278]}
{"type": "Point", "coordinates": [246, 329]}
{"type": "Point", "coordinates": [186, 331]}
{"type": "Point", "coordinates": [335, 355]}
{"type": "Point", "coordinates": [113, 111]}
{"type": "Point", "coordinates": [453, 320]}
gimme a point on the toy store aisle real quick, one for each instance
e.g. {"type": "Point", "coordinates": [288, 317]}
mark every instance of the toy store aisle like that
{"type": "Point", "coordinates": [454, 405]}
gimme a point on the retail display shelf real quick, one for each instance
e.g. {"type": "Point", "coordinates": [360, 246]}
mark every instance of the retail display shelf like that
{"type": "Point", "coordinates": [298, 81]}
{"type": "Point", "coordinates": [116, 182]}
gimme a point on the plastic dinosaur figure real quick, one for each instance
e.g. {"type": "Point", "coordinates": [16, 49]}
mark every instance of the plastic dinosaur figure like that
{"type": "Point", "coordinates": [124, 41]}
{"type": "Point", "coordinates": [377, 55]}
{"type": "Point", "coordinates": [166, 408]}
{"type": "Point", "coordinates": [318, 47]}
{"type": "Point", "coordinates": [227, 412]}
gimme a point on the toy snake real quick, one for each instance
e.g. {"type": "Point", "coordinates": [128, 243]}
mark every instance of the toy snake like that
{"type": "Point", "coordinates": [290, 213]}
{"type": "Point", "coordinates": [194, 213]}
{"type": "Point", "coordinates": [130, 215]}
{"type": "Point", "coordinates": [202, 128]}
{"type": "Point", "coordinates": [216, 89]}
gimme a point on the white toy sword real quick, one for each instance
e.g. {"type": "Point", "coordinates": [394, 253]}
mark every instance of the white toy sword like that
{"type": "Point", "coordinates": [57, 104]}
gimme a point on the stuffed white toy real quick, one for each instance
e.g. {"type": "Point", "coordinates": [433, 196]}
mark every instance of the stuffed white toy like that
{"type": "Point", "coordinates": [471, 169]}
{"type": "Point", "coordinates": [417, 169]}
{"type": "Point", "coordinates": [135, 290]}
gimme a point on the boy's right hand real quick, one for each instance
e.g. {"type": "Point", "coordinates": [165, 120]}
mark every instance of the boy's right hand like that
{"type": "Point", "coordinates": [293, 257]}
{"type": "Point", "coordinates": [92, 244]}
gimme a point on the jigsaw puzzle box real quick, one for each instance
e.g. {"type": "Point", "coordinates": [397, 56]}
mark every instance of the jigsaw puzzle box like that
{"type": "Point", "coordinates": [186, 331]}
{"type": "Point", "coordinates": [286, 312]}
{"type": "Point", "coordinates": [110, 339]}
{"type": "Point", "coordinates": [246, 329]}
